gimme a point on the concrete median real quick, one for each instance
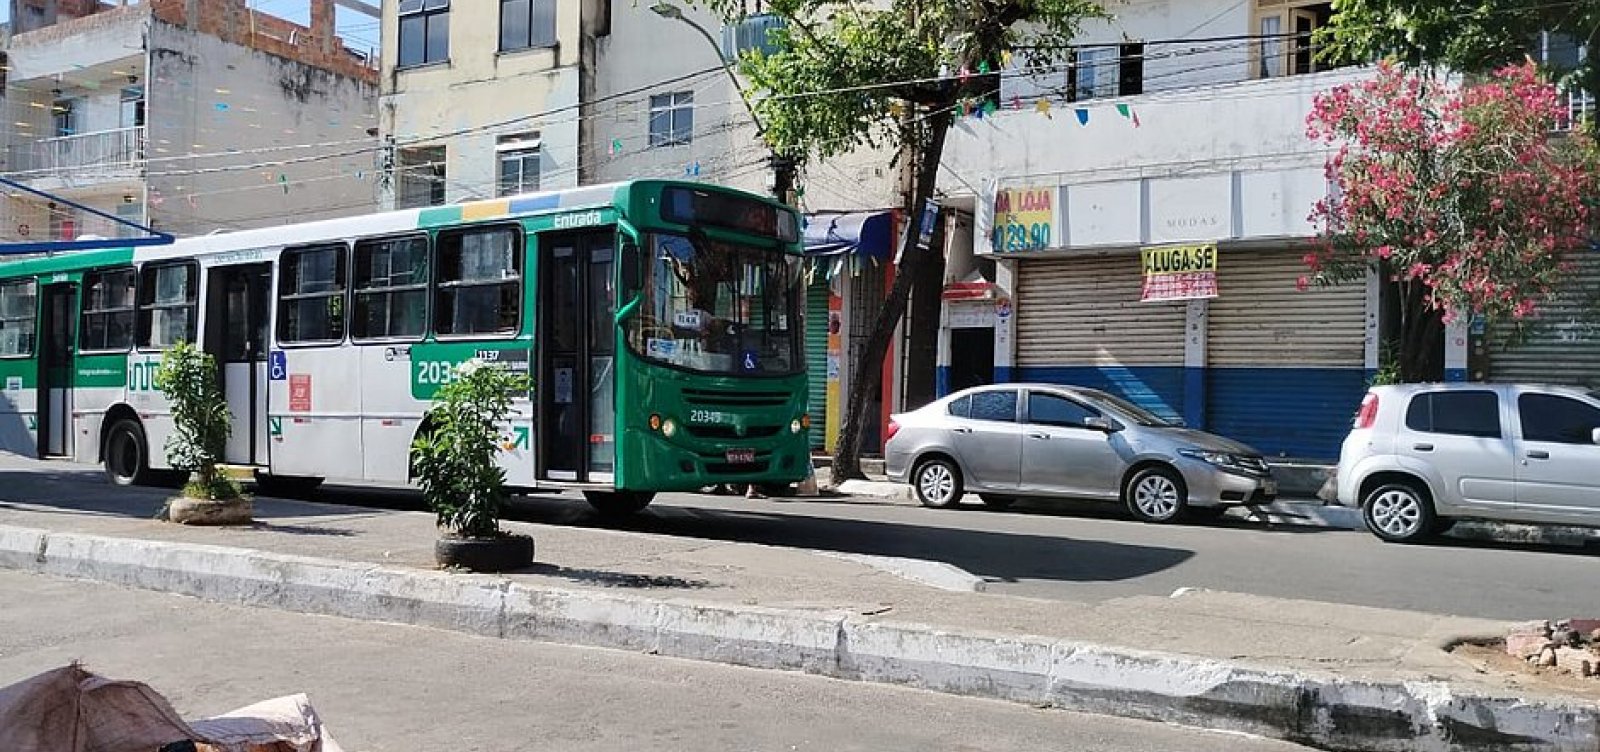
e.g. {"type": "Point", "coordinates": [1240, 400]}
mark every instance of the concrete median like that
{"type": "Point", "coordinates": [1324, 709]}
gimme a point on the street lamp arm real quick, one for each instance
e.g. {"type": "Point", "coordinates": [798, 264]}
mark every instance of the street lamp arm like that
{"type": "Point", "coordinates": [668, 10]}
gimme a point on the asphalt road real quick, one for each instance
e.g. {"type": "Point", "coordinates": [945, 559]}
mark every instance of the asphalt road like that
{"type": "Point", "coordinates": [384, 687]}
{"type": "Point", "coordinates": [1075, 552]}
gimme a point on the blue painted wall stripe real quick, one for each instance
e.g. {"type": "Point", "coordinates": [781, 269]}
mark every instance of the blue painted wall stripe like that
{"type": "Point", "coordinates": [1300, 413]}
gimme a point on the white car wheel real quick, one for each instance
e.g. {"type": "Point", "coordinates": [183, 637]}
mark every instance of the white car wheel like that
{"type": "Point", "coordinates": [1157, 494]}
{"type": "Point", "coordinates": [938, 483]}
{"type": "Point", "coordinates": [1399, 513]}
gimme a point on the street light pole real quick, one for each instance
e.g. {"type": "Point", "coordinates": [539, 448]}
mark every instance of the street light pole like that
{"type": "Point", "coordinates": [782, 166]}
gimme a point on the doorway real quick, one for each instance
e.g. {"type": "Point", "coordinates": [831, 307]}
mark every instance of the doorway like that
{"type": "Point", "coordinates": [237, 314]}
{"type": "Point", "coordinates": [971, 357]}
{"type": "Point", "coordinates": [55, 370]}
{"type": "Point", "coordinates": [577, 357]}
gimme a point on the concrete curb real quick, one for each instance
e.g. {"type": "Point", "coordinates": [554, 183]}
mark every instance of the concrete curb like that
{"type": "Point", "coordinates": [1320, 709]}
{"type": "Point", "coordinates": [932, 573]}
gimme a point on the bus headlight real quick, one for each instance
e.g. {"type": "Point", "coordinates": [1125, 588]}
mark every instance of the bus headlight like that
{"type": "Point", "coordinates": [668, 428]}
{"type": "Point", "coordinates": [794, 426]}
{"type": "Point", "coordinates": [655, 422]}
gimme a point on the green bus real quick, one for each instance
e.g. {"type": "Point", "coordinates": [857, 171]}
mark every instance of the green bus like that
{"type": "Point", "coordinates": [660, 323]}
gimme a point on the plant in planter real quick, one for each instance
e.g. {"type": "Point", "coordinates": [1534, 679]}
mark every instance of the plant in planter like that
{"type": "Point", "coordinates": [455, 465]}
{"type": "Point", "coordinates": [200, 428]}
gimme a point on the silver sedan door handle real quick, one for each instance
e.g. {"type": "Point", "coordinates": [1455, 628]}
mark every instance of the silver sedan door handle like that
{"type": "Point", "coordinates": [1538, 454]}
{"type": "Point", "coordinates": [1038, 436]}
{"type": "Point", "coordinates": [961, 429]}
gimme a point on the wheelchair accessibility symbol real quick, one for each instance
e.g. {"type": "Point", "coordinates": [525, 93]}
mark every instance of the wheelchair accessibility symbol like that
{"type": "Point", "coordinates": [278, 366]}
{"type": "Point", "coordinates": [750, 362]}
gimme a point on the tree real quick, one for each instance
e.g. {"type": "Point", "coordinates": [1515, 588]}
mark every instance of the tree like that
{"type": "Point", "coordinates": [845, 75]}
{"type": "Point", "coordinates": [201, 422]}
{"type": "Point", "coordinates": [1459, 196]}
{"type": "Point", "coordinates": [1470, 36]}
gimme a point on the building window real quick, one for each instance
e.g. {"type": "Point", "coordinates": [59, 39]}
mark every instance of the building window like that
{"type": "Point", "coordinates": [672, 119]}
{"type": "Point", "coordinates": [1094, 73]}
{"type": "Point", "coordinates": [311, 286]}
{"type": "Point", "coordinates": [1287, 37]}
{"type": "Point", "coordinates": [424, 32]}
{"type": "Point", "coordinates": [108, 305]}
{"type": "Point", "coordinates": [519, 164]}
{"type": "Point", "coordinates": [64, 116]}
{"type": "Point", "coordinates": [480, 282]}
{"type": "Point", "coordinates": [527, 23]}
{"type": "Point", "coordinates": [18, 312]}
{"type": "Point", "coordinates": [132, 107]}
{"type": "Point", "coordinates": [422, 177]}
{"type": "Point", "coordinates": [391, 288]}
{"type": "Point", "coordinates": [167, 304]}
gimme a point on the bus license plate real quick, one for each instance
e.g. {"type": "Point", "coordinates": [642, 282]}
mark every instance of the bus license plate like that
{"type": "Point", "coordinates": [741, 456]}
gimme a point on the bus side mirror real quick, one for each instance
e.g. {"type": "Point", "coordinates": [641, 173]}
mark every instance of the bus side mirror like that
{"type": "Point", "coordinates": [632, 269]}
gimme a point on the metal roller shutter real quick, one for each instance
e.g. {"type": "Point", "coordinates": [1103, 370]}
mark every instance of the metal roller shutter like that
{"type": "Point", "coordinates": [1079, 321]}
{"type": "Point", "coordinates": [817, 360]}
{"type": "Point", "coordinates": [1285, 367]}
{"type": "Point", "coordinates": [1564, 345]}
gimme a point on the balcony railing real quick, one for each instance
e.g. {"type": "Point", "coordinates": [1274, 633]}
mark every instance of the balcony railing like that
{"type": "Point", "coordinates": [110, 153]}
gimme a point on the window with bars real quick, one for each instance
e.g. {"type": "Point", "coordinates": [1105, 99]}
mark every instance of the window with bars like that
{"type": "Point", "coordinates": [18, 316]}
{"type": "Point", "coordinates": [167, 294]}
{"type": "Point", "coordinates": [311, 285]}
{"type": "Point", "coordinates": [672, 119]}
{"type": "Point", "coordinates": [518, 158]}
{"type": "Point", "coordinates": [479, 286]}
{"type": "Point", "coordinates": [526, 24]}
{"type": "Point", "coordinates": [1564, 55]}
{"type": "Point", "coordinates": [109, 299]}
{"type": "Point", "coordinates": [424, 32]}
{"type": "Point", "coordinates": [390, 289]}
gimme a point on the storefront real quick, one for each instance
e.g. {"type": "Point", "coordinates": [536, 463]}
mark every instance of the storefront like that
{"type": "Point", "coordinates": [1222, 338]}
{"type": "Point", "coordinates": [1561, 346]}
{"type": "Point", "coordinates": [847, 271]}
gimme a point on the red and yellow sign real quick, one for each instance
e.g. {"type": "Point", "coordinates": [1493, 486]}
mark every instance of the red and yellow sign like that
{"type": "Point", "coordinates": [1179, 272]}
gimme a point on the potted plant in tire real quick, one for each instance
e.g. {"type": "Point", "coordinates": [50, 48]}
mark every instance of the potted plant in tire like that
{"type": "Point", "coordinates": [455, 465]}
{"type": "Point", "coordinates": [200, 428]}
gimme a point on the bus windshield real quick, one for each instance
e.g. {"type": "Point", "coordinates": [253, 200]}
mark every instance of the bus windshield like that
{"type": "Point", "coordinates": [718, 307]}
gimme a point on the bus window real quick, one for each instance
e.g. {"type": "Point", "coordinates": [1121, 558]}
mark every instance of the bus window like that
{"type": "Point", "coordinates": [17, 316]}
{"type": "Point", "coordinates": [167, 295]}
{"type": "Point", "coordinates": [391, 289]}
{"type": "Point", "coordinates": [480, 282]}
{"type": "Point", "coordinates": [311, 284]}
{"type": "Point", "coordinates": [108, 303]}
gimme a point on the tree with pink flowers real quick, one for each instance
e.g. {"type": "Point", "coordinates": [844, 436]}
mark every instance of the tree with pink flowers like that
{"type": "Point", "coordinates": [1459, 196]}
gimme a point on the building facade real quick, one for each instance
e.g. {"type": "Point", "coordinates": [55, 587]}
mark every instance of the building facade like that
{"type": "Point", "coordinates": [189, 117]}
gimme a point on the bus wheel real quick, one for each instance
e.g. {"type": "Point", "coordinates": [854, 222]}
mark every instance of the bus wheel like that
{"type": "Point", "coordinates": [618, 502]}
{"type": "Point", "coordinates": [126, 460]}
{"type": "Point", "coordinates": [286, 485]}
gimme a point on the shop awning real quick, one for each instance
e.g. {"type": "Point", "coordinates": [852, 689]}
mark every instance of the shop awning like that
{"type": "Point", "coordinates": [868, 234]}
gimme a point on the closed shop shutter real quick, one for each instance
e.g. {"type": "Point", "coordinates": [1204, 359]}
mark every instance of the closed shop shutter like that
{"type": "Point", "coordinates": [817, 359]}
{"type": "Point", "coordinates": [1285, 367]}
{"type": "Point", "coordinates": [1080, 322]}
{"type": "Point", "coordinates": [1563, 345]}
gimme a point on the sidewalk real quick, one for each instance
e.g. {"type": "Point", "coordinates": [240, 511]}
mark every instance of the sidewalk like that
{"type": "Point", "coordinates": [1341, 677]}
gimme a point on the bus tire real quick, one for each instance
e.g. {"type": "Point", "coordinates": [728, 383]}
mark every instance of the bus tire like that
{"type": "Point", "coordinates": [618, 502]}
{"type": "Point", "coordinates": [127, 456]}
{"type": "Point", "coordinates": [286, 485]}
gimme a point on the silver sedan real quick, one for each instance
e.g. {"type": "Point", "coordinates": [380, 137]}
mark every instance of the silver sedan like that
{"type": "Point", "coordinates": [1014, 440]}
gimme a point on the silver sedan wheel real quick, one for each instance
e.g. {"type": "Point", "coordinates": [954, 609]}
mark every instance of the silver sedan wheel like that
{"type": "Point", "coordinates": [936, 484]}
{"type": "Point", "coordinates": [1157, 497]}
{"type": "Point", "coordinates": [1397, 512]}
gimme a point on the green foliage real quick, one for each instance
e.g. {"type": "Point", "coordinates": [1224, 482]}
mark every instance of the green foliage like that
{"type": "Point", "coordinates": [844, 72]}
{"type": "Point", "coordinates": [200, 417]}
{"type": "Point", "coordinates": [455, 461]}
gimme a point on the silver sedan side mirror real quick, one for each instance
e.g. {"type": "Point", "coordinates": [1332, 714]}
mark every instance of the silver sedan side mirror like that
{"type": "Point", "coordinates": [1099, 423]}
{"type": "Point", "coordinates": [1595, 436]}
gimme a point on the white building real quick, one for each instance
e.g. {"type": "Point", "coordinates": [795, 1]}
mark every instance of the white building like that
{"type": "Point", "coordinates": [188, 117]}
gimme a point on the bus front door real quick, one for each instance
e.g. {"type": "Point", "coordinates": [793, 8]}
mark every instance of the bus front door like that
{"type": "Point", "coordinates": [236, 336]}
{"type": "Point", "coordinates": [576, 376]}
{"type": "Point", "coordinates": [55, 370]}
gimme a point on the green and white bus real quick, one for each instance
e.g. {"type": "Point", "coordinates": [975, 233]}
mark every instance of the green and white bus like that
{"type": "Point", "coordinates": [660, 322]}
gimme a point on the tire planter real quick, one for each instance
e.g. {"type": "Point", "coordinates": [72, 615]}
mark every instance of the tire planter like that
{"type": "Point", "coordinates": [186, 511]}
{"type": "Point", "coordinates": [501, 554]}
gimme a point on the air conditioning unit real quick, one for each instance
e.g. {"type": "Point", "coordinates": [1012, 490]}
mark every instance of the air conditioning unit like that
{"type": "Point", "coordinates": [750, 33]}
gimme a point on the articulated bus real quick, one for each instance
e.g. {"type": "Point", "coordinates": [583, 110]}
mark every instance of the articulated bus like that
{"type": "Point", "coordinates": [659, 323]}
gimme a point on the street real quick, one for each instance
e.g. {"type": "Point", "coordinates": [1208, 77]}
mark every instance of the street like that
{"type": "Point", "coordinates": [1076, 552]}
{"type": "Point", "coordinates": [385, 687]}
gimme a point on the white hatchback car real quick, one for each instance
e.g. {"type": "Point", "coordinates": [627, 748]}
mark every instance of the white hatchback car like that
{"type": "Point", "coordinates": [1422, 455]}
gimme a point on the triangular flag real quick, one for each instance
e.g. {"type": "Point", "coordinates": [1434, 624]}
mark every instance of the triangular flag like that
{"type": "Point", "coordinates": [1016, 102]}
{"type": "Point", "coordinates": [616, 146]}
{"type": "Point", "coordinates": [1136, 120]}
{"type": "Point", "coordinates": [1005, 59]}
{"type": "Point", "coordinates": [989, 107]}
{"type": "Point", "coordinates": [1043, 106]}
{"type": "Point", "coordinates": [1083, 116]}
{"type": "Point", "coordinates": [965, 110]}
{"type": "Point", "coordinates": [1122, 110]}
{"type": "Point", "coordinates": [983, 67]}
{"type": "Point", "coordinates": [978, 112]}
{"type": "Point", "coordinates": [284, 181]}
{"type": "Point", "coordinates": [965, 74]}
